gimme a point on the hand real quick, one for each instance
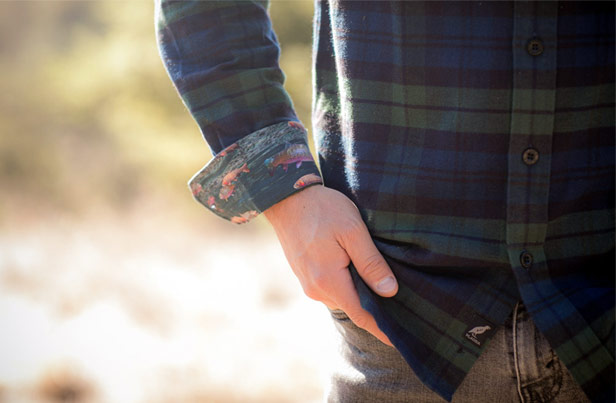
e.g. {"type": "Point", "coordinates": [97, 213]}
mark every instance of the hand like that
{"type": "Point", "coordinates": [321, 232]}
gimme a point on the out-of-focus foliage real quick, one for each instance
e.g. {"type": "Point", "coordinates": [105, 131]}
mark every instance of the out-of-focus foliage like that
{"type": "Point", "coordinates": [88, 116]}
{"type": "Point", "coordinates": [293, 25]}
{"type": "Point", "coordinates": [115, 286]}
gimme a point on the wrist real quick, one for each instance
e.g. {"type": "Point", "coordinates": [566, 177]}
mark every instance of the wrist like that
{"type": "Point", "coordinates": [292, 204]}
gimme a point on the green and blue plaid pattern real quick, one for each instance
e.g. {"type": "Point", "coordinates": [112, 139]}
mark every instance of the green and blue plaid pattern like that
{"type": "Point", "coordinates": [477, 140]}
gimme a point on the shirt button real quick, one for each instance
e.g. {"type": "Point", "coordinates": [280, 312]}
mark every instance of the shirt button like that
{"type": "Point", "coordinates": [530, 156]}
{"type": "Point", "coordinates": [534, 47]}
{"type": "Point", "coordinates": [526, 259]}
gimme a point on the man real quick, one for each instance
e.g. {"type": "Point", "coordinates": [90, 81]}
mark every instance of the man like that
{"type": "Point", "coordinates": [467, 153]}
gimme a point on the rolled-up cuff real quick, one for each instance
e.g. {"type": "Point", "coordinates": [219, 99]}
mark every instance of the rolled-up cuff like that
{"type": "Point", "coordinates": [257, 172]}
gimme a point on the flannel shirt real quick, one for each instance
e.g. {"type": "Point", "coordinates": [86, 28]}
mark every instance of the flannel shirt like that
{"type": "Point", "coordinates": [476, 139]}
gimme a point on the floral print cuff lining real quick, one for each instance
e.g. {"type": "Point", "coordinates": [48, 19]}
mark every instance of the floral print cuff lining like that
{"type": "Point", "coordinates": [257, 172]}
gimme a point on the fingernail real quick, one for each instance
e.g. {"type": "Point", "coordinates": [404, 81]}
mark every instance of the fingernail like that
{"type": "Point", "coordinates": [386, 285]}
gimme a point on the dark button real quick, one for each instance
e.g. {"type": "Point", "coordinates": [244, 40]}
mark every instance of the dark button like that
{"type": "Point", "coordinates": [526, 259]}
{"type": "Point", "coordinates": [534, 47]}
{"type": "Point", "coordinates": [530, 156]}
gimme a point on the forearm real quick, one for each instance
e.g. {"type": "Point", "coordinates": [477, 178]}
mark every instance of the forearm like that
{"type": "Point", "coordinates": [222, 57]}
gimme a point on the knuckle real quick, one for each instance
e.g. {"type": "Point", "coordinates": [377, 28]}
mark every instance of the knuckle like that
{"type": "Point", "coordinates": [358, 316]}
{"type": "Point", "coordinates": [311, 292]}
{"type": "Point", "coordinates": [319, 281]}
{"type": "Point", "coordinates": [372, 267]}
{"type": "Point", "coordinates": [361, 321]}
{"type": "Point", "coordinates": [351, 230]}
{"type": "Point", "coordinates": [315, 286]}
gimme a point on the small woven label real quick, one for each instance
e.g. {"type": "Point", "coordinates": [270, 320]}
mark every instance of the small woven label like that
{"type": "Point", "coordinates": [479, 332]}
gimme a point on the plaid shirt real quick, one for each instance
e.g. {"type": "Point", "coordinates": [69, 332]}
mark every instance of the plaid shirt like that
{"type": "Point", "coordinates": [476, 139]}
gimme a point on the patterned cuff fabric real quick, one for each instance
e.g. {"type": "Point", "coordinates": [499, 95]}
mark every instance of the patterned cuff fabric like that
{"type": "Point", "coordinates": [257, 172]}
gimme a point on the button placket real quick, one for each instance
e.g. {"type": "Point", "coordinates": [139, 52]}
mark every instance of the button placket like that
{"type": "Point", "coordinates": [531, 130]}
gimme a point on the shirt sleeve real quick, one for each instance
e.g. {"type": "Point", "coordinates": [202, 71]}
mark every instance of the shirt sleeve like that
{"type": "Point", "coordinates": [222, 57]}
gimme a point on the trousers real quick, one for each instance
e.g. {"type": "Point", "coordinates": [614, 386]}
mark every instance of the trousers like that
{"type": "Point", "coordinates": [518, 365]}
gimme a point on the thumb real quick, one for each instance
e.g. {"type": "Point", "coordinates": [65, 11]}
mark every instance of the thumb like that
{"type": "Point", "coordinates": [369, 262]}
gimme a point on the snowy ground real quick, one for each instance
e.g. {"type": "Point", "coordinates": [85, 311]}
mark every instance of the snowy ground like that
{"type": "Point", "coordinates": [141, 308]}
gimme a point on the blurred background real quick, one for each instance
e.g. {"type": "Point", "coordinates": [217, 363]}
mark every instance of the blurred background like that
{"type": "Point", "coordinates": [115, 286]}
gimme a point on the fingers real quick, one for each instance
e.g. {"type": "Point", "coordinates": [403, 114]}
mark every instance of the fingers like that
{"type": "Point", "coordinates": [335, 289]}
{"type": "Point", "coordinates": [348, 301]}
{"type": "Point", "coordinates": [369, 262]}
{"type": "Point", "coordinates": [319, 245]}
